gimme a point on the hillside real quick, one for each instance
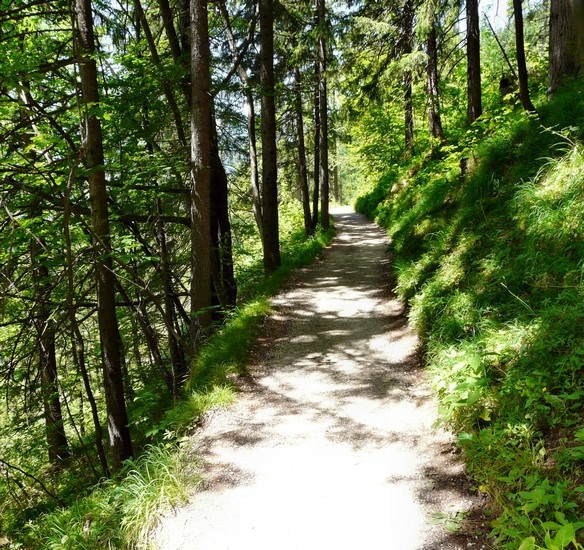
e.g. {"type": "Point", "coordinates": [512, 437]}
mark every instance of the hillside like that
{"type": "Point", "coordinates": [488, 249]}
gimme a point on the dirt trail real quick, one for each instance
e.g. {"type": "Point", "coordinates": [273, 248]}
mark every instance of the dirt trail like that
{"type": "Point", "coordinates": [330, 445]}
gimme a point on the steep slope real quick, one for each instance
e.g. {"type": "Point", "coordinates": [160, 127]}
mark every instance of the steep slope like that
{"type": "Point", "coordinates": [489, 260]}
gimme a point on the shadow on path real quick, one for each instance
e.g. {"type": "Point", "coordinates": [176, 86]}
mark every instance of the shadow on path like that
{"type": "Point", "coordinates": [331, 444]}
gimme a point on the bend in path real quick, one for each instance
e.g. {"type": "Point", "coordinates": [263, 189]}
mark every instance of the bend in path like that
{"type": "Point", "coordinates": [332, 446]}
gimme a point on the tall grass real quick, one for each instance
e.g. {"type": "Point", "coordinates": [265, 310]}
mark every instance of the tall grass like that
{"type": "Point", "coordinates": [153, 485]}
{"type": "Point", "coordinates": [120, 513]}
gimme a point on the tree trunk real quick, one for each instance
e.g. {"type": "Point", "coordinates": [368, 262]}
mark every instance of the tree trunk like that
{"type": "Point", "coordinates": [578, 18]}
{"type": "Point", "coordinates": [473, 56]}
{"type": "Point", "coordinates": [166, 85]}
{"type": "Point", "coordinates": [251, 122]}
{"type": "Point", "coordinates": [221, 241]}
{"type": "Point", "coordinates": [169, 28]}
{"type": "Point", "coordinates": [317, 133]}
{"type": "Point", "coordinates": [57, 445]}
{"type": "Point", "coordinates": [323, 115]}
{"type": "Point", "coordinates": [179, 45]}
{"type": "Point", "coordinates": [184, 25]}
{"type": "Point", "coordinates": [337, 191]}
{"type": "Point", "coordinates": [119, 432]}
{"type": "Point", "coordinates": [408, 112]}
{"type": "Point", "coordinates": [77, 344]}
{"type": "Point", "coordinates": [177, 353]}
{"type": "Point", "coordinates": [271, 242]}
{"type": "Point", "coordinates": [79, 360]}
{"type": "Point", "coordinates": [434, 118]}
{"type": "Point", "coordinates": [521, 64]}
{"type": "Point", "coordinates": [302, 162]}
{"type": "Point", "coordinates": [200, 173]}
{"type": "Point", "coordinates": [407, 29]}
{"type": "Point", "coordinates": [566, 17]}
{"type": "Point", "coordinates": [255, 188]}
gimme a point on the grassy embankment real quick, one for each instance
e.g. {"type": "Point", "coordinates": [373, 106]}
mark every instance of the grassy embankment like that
{"type": "Point", "coordinates": [491, 263]}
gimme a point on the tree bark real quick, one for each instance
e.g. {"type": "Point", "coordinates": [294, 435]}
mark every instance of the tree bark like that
{"type": "Point", "coordinates": [302, 161]}
{"type": "Point", "coordinates": [251, 123]}
{"type": "Point", "coordinates": [177, 353]}
{"type": "Point", "coordinates": [77, 344]}
{"type": "Point", "coordinates": [317, 134]}
{"type": "Point", "coordinates": [337, 191]}
{"type": "Point", "coordinates": [200, 173]}
{"type": "Point", "coordinates": [323, 115]}
{"type": "Point", "coordinates": [271, 240]}
{"type": "Point", "coordinates": [408, 112]}
{"type": "Point", "coordinates": [166, 85]}
{"type": "Point", "coordinates": [521, 63]}
{"type": "Point", "coordinates": [57, 444]}
{"type": "Point", "coordinates": [578, 18]}
{"type": "Point", "coordinates": [169, 28]}
{"type": "Point", "coordinates": [566, 17]}
{"type": "Point", "coordinates": [408, 29]}
{"type": "Point", "coordinates": [184, 25]}
{"type": "Point", "coordinates": [79, 360]}
{"type": "Point", "coordinates": [223, 274]}
{"type": "Point", "coordinates": [473, 56]}
{"type": "Point", "coordinates": [119, 432]}
{"type": "Point", "coordinates": [434, 118]}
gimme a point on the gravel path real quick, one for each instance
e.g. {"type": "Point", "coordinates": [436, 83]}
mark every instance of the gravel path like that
{"type": "Point", "coordinates": [330, 445]}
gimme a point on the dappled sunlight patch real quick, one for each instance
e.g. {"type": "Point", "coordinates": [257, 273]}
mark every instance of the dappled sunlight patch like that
{"type": "Point", "coordinates": [551, 208]}
{"type": "Point", "coordinates": [398, 348]}
{"type": "Point", "coordinates": [304, 339]}
{"type": "Point", "coordinates": [331, 447]}
{"type": "Point", "coordinates": [451, 271]}
{"type": "Point", "coordinates": [412, 274]}
{"type": "Point", "coordinates": [506, 343]}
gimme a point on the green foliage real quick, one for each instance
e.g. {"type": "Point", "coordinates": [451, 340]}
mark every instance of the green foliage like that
{"type": "Point", "coordinates": [121, 513]}
{"type": "Point", "coordinates": [490, 262]}
{"type": "Point", "coordinates": [118, 514]}
{"type": "Point", "coordinates": [90, 523]}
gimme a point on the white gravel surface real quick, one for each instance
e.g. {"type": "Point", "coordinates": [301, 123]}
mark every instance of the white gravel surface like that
{"type": "Point", "coordinates": [331, 444]}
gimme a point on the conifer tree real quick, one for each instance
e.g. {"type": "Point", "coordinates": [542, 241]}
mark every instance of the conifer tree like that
{"type": "Point", "coordinates": [118, 428]}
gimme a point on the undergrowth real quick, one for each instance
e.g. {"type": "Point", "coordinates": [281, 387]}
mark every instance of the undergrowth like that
{"type": "Point", "coordinates": [72, 512]}
{"type": "Point", "coordinates": [491, 263]}
{"type": "Point", "coordinates": [120, 513]}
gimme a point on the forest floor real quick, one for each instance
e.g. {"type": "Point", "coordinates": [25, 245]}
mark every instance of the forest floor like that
{"type": "Point", "coordinates": [331, 442]}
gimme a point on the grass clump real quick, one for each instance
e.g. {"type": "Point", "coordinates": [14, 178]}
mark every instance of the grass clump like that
{"type": "Point", "coordinates": [490, 262]}
{"type": "Point", "coordinates": [120, 513]}
{"type": "Point", "coordinates": [153, 486]}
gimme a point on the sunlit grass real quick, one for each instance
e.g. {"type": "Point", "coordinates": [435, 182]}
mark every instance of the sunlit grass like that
{"type": "Point", "coordinates": [152, 486]}
{"type": "Point", "coordinates": [492, 267]}
{"type": "Point", "coordinates": [120, 513]}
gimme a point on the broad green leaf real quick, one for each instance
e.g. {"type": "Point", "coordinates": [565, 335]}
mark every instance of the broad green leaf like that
{"type": "Point", "coordinates": [565, 535]}
{"type": "Point", "coordinates": [527, 544]}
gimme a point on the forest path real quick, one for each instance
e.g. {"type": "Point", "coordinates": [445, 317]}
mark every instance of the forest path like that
{"type": "Point", "coordinates": [330, 445]}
